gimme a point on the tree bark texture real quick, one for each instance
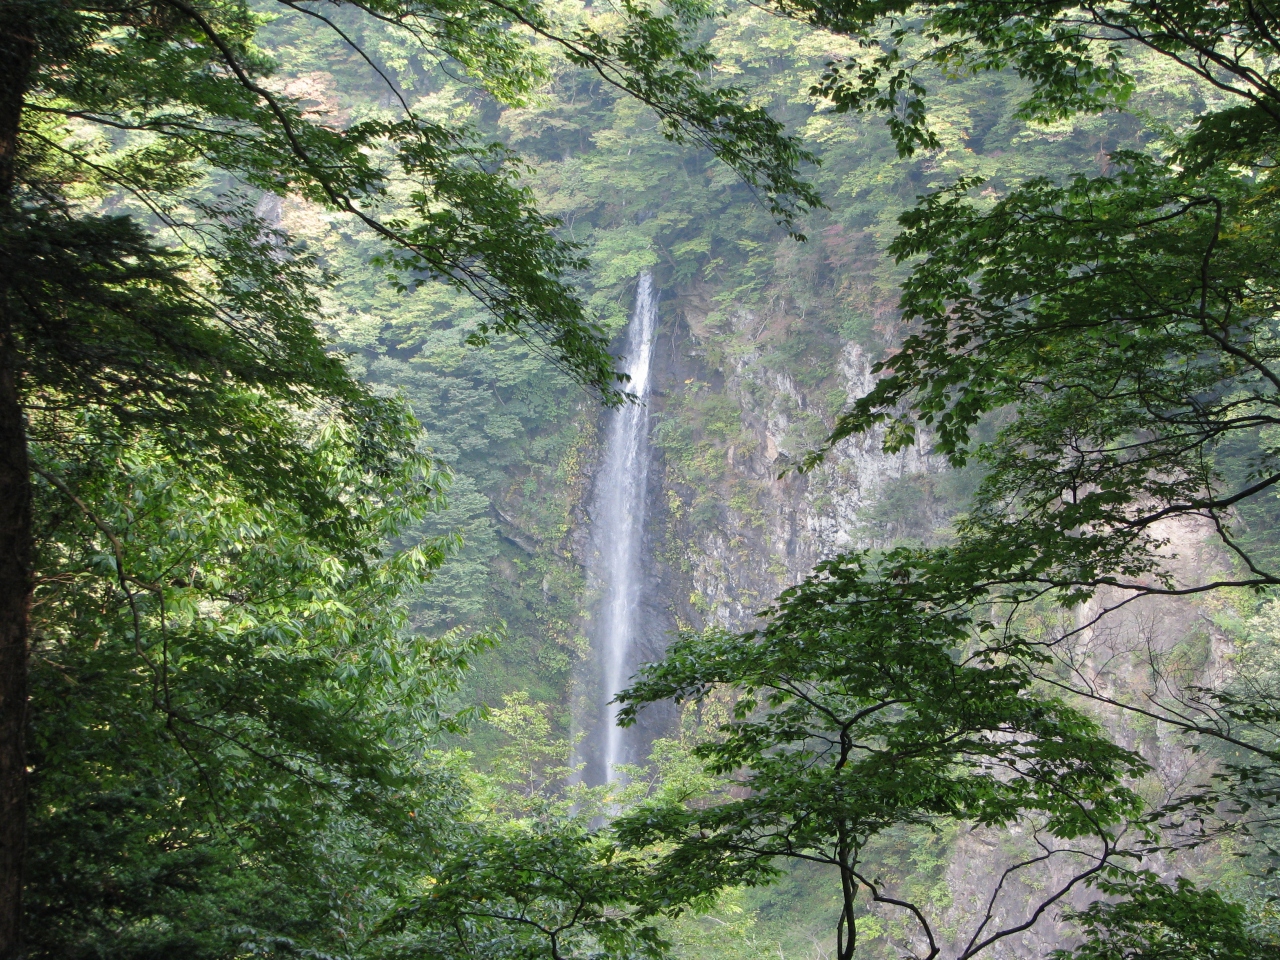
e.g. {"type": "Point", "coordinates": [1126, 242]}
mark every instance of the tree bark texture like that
{"type": "Point", "coordinates": [15, 612]}
{"type": "Point", "coordinates": [17, 49]}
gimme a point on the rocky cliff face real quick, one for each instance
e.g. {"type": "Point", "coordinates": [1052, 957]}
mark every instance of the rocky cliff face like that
{"type": "Point", "coordinates": [731, 524]}
{"type": "Point", "coordinates": [771, 524]}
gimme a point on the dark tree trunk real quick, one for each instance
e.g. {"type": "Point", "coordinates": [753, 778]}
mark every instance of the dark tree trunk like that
{"type": "Point", "coordinates": [15, 610]}
{"type": "Point", "coordinates": [17, 48]}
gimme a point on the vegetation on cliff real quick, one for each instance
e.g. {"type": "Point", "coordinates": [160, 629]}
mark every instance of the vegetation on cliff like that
{"type": "Point", "coordinates": [252, 618]}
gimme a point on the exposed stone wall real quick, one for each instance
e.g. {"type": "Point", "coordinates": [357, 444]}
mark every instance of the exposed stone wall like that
{"type": "Point", "coordinates": [741, 562]}
{"type": "Point", "coordinates": [726, 571]}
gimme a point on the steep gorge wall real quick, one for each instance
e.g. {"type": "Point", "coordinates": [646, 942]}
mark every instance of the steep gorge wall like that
{"type": "Point", "coordinates": [775, 523]}
{"type": "Point", "coordinates": [761, 341]}
{"type": "Point", "coordinates": [726, 539]}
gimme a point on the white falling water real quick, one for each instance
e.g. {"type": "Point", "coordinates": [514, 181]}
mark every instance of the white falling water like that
{"type": "Point", "coordinates": [617, 520]}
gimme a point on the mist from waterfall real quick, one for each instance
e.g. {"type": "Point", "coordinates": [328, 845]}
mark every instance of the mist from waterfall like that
{"type": "Point", "coordinates": [617, 536]}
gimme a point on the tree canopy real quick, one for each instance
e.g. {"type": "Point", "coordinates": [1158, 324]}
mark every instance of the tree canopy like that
{"type": "Point", "coordinates": [1101, 346]}
{"type": "Point", "coordinates": [865, 707]}
{"type": "Point", "coordinates": [218, 538]}
{"type": "Point", "coordinates": [203, 503]}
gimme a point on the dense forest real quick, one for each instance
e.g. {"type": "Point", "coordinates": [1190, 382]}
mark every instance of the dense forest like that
{"type": "Point", "coordinates": [945, 332]}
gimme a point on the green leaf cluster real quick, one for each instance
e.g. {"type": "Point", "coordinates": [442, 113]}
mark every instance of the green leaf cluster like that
{"type": "Point", "coordinates": [870, 703]}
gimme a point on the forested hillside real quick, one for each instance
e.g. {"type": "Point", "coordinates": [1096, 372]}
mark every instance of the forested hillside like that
{"type": "Point", "coordinates": [754, 321]}
{"type": "Point", "coordinates": [958, 572]}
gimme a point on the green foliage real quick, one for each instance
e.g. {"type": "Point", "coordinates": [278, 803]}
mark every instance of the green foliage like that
{"type": "Point", "coordinates": [531, 769]}
{"type": "Point", "coordinates": [1116, 327]}
{"type": "Point", "coordinates": [1124, 317]}
{"type": "Point", "coordinates": [865, 705]}
{"type": "Point", "coordinates": [228, 716]}
{"type": "Point", "coordinates": [1154, 921]}
{"type": "Point", "coordinates": [233, 712]}
{"type": "Point", "coordinates": [180, 91]}
{"type": "Point", "coordinates": [529, 893]}
{"type": "Point", "coordinates": [102, 319]}
{"type": "Point", "coordinates": [1112, 314]}
{"type": "Point", "coordinates": [301, 637]}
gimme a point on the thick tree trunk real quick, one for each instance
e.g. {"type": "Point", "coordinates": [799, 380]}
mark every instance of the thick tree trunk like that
{"type": "Point", "coordinates": [17, 48]}
{"type": "Point", "coordinates": [15, 611]}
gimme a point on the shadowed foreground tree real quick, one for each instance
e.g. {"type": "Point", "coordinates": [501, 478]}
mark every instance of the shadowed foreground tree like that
{"type": "Point", "coordinates": [230, 720]}
{"type": "Point", "coordinates": [866, 706]}
{"type": "Point", "coordinates": [1152, 920]}
{"type": "Point", "coordinates": [139, 289]}
{"type": "Point", "coordinates": [1117, 331]}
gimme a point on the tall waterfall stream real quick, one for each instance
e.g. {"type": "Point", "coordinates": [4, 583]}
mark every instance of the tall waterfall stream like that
{"type": "Point", "coordinates": [615, 564]}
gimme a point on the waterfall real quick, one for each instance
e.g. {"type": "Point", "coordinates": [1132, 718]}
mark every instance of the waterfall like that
{"type": "Point", "coordinates": [615, 565]}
